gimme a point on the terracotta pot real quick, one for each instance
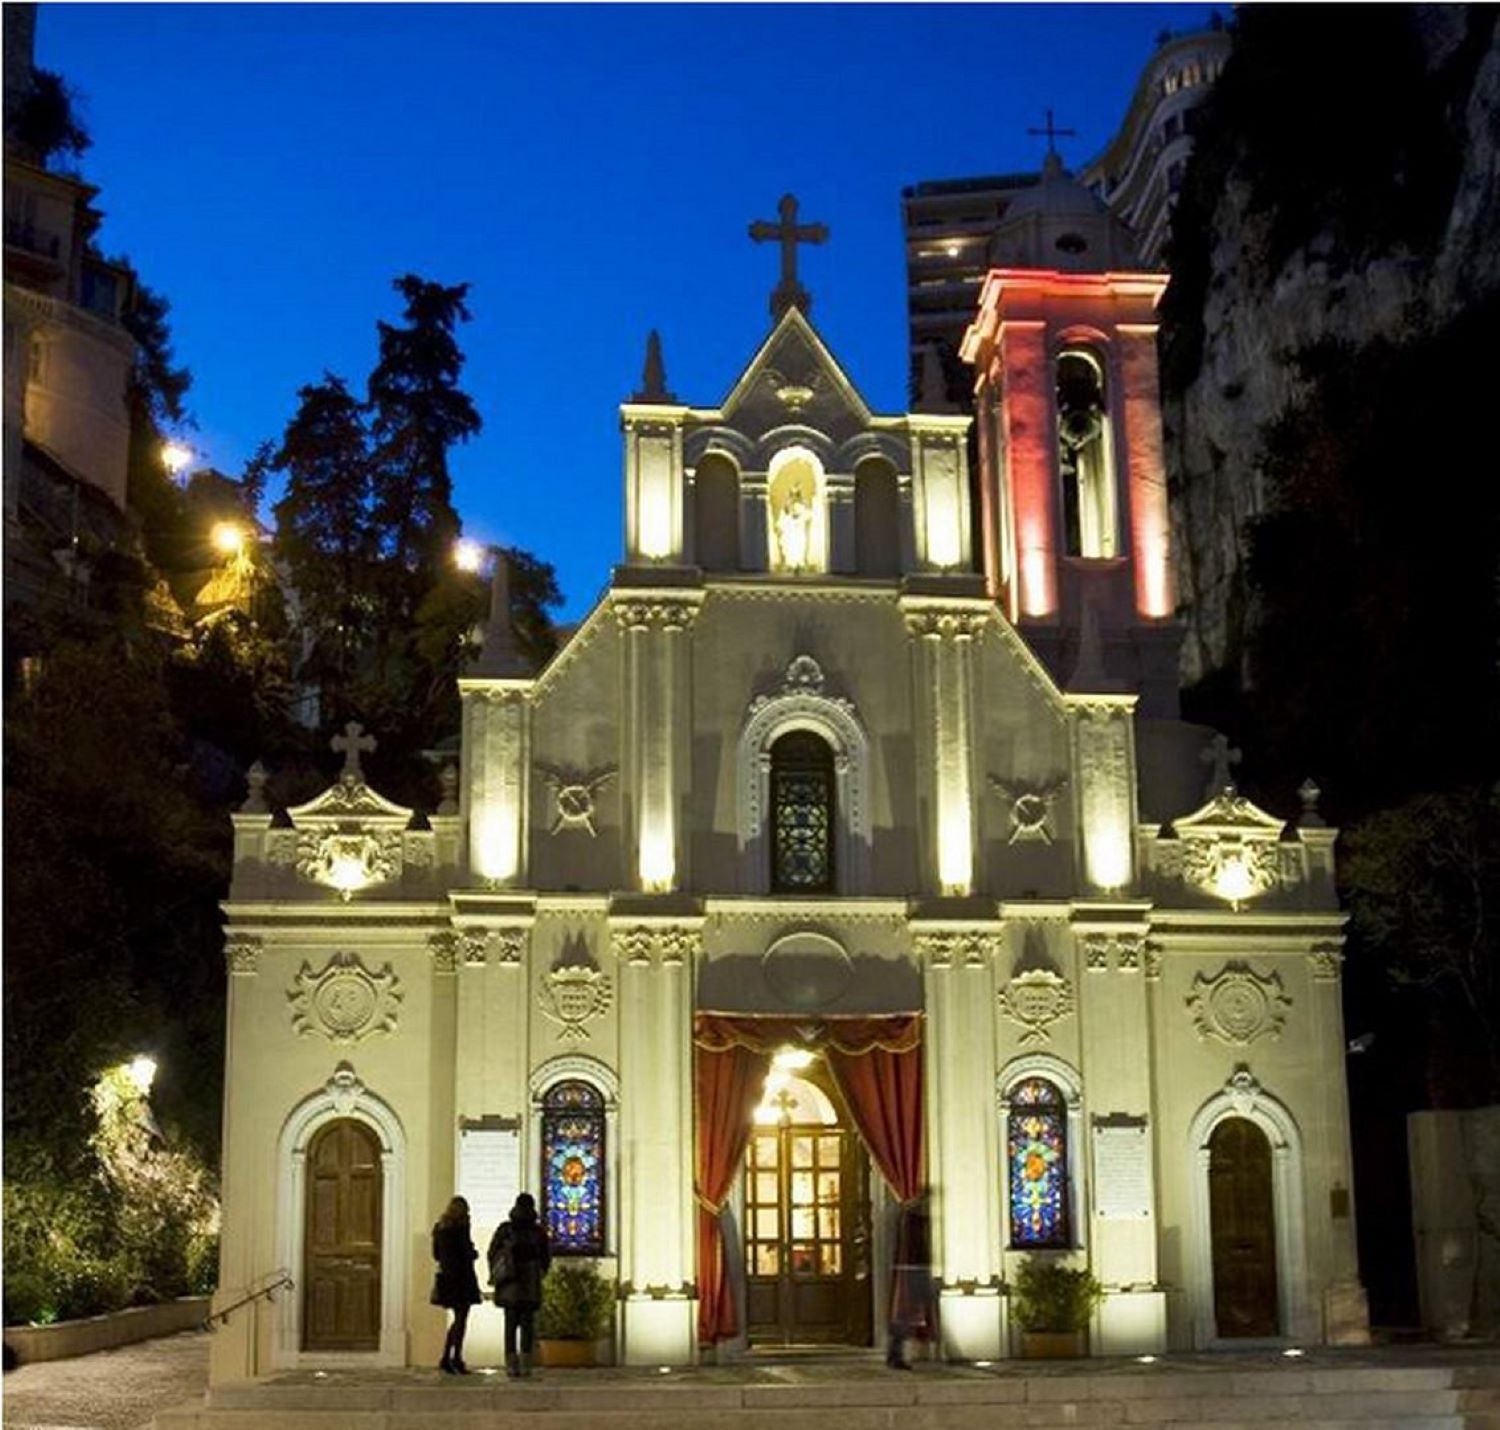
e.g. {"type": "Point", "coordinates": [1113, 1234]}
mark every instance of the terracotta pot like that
{"type": "Point", "coordinates": [564, 1354]}
{"type": "Point", "coordinates": [1053, 1345]}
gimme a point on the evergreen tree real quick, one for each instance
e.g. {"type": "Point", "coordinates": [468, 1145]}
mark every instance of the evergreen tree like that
{"type": "Point", "coordinates": [324, 530]}
{"type": "Point", "coordinates": [417, 413]}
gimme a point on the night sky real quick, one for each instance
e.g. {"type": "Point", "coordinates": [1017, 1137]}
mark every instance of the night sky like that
{"type": "Point", "coordinates": [590, 171]}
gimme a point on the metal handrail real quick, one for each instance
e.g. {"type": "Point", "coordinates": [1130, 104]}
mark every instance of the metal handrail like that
{"type": "Point", "coordinates": [282, 1280]}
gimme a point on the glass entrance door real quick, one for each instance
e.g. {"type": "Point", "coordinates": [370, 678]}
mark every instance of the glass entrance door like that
{"type": "Point", "coordinates": [806, 1229]}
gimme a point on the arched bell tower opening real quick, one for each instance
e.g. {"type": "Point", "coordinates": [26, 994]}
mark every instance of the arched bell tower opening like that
{"type": "Point", "coordinates": [1085, 455]}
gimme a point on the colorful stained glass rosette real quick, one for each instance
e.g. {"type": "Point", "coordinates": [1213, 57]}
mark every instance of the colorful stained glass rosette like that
{"type": "Point", "coordinates": [1038, 1158]}
{"type": "Point", "coordinates": [573, 1169]}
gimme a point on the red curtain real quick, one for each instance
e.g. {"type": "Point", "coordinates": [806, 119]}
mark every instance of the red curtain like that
{"type": "Point", "coordinates": [883, 1091]}
{"type": "Point", "coordinates": [727, 1083]}
{"type": "Point", "coordinates": [877, 1062]}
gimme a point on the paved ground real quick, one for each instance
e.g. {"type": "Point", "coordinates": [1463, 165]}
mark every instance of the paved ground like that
{"type": "Point", "coordinates": [111, 1390]}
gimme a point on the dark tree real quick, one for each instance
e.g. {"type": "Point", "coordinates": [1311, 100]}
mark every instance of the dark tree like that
{"type": "Point", "coordinates": [417, 413]}
{"type": "Point", "coordinates": [46, 123]}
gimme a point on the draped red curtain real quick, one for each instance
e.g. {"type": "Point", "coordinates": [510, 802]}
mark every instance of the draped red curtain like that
{"type": "Point", "coordinates": [877, 1063]}
{"type": "Point", "coordinates": [883, 1091]}
{"type": "Point", "coordinates": [727, 1083]}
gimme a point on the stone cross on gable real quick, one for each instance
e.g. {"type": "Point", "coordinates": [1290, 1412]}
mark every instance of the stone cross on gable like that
{"type": "Point", "coordinates": [1221, 755]}
{"type": "Point", "coordinates": [1053, 133]}
{"type": "Point", "coordinates": [789, 293]}
{"type": "Point", "coordinates": [351, 744]}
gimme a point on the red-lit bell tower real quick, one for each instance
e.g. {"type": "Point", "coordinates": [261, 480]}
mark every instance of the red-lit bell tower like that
{"type": "Point", "coordinates": [1073, 497]}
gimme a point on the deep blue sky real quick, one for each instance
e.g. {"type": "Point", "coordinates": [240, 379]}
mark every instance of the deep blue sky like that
{"type": "Point", "coordinates": [591, 171]}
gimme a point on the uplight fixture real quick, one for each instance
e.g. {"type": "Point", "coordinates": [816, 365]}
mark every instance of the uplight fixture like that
{"type": "Point", "coordinates": [141, 1070]}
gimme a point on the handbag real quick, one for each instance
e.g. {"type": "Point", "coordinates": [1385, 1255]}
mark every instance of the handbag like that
{"type": "Point", "coordinates": [503, 1264]}
{"type": "Point", "coordinates": [435, 1296]}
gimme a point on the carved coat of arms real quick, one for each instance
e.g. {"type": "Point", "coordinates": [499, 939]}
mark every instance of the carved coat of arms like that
{"type": "Point", "coordinates": [573, 997]}
{"type": "Point", "coordinates": [344, 1000]}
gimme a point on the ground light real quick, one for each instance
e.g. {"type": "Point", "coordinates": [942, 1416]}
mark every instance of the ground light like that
{"type": "Point", "coordinates": [141, 1070]}
{"type": "Point", "coordinates": [1146, 1360]}
{"type": "Point", "coordinates": [1292, 1352]}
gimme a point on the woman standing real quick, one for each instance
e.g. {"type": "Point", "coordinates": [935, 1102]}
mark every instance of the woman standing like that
{"type": "Point", "coordinates": [519, 1258]}
{"type": "Point", "coordinates": [456, 1286]}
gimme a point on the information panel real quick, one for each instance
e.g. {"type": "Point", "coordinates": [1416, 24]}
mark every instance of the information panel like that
{"type": "Point", "coordinates": [1122, 1167]}
{"type": "Point", "coordinates": [489, 1168]}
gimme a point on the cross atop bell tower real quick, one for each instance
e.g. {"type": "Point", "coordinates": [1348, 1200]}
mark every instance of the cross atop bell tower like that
{"type": "Point", "coordinates": [789, 292]}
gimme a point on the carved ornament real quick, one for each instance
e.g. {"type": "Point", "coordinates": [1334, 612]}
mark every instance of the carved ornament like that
{"type": "Point", "coordinates": [1327, 962]}
{"type": "Point", "coordinates": [1230, 849]}
{"type": "Point", "coordinates": [345, 1089]}
{"type": "Point", "coordinates": [962, 624]}
{"type": "Point", "coordinates": [1030, 807]}
{"type": "Point", "coordinates": [656, 945]}
{"type": "Point", "coordinates": [661, 614]}
{"type": "Point", "coordinates": [573, 997]}
{"type": "Point", "coordinates": [344, 1000]}
{"type": "Point", "coordinates": [574, 797]}
{"type": "Point", "coordinates": [1237, 1005]}
{"type": "Point", "coordinates": [1036, 1000]}
{"type": "Point", "coordinates": [952, 948]}
{"type": "Point", "coordinates": [242, 952]}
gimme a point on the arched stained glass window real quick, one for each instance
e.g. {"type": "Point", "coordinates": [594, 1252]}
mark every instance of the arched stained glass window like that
{"type": "Point", "coordinates": [573, 1168]}
{"type": "Point", "coordinates": [802, 814]}
{"type": "Point", "coordinates": [1037, 1153]}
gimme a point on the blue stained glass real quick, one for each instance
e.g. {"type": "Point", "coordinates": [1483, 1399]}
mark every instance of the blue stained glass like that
{"type": "Point", "coordinates": [573, 1169]}
{"type": "Point", "coordinates": [1038, 1159]}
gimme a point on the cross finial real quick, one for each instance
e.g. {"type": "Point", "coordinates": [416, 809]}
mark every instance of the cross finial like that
{"type": "Point", "coordinates": [351, 744]}
{"type": "Point", "coordinates": [1053, 134]}
{"type": "Point", "coordinates": [789, 293]}
{"type": "Point", "coordinates": [1221, 755]}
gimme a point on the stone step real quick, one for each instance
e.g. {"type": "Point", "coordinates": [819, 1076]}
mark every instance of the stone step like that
{"type": "Point", "coordinates": [1431, 1397]}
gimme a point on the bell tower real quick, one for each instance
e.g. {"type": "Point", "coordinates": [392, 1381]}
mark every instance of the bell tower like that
{"type": "Point", "coordinates": [1073, 501]}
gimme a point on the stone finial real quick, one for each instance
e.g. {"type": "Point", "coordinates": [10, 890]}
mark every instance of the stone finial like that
{"type": "Point", "coordinates": [654, 373]}
{"type": "Point", "coordinates": [351, 744]}
{"type": "Point", "coordinates": [1309, 794]}
{"type": "Point", "coordinates": [1219, 754]}
{"type": "Point", "coordinates": [500, 656]}
{"type": "Point", "coordinates": [448, 783]}
{"type": "Point", "coordinates": [932, 395]}
{"type": "Point", "coordinates": [255, 800]}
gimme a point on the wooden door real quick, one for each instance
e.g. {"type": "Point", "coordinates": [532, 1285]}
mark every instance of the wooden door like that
{"type": "Point", "coordinates": [341, 1256]}
{"type": "Point", "coordinates": [807, 1248]}
{"type": "Point", "coordinates": [1243, 1221]}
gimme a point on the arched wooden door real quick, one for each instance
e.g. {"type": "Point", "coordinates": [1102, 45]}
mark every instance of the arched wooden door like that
{"type": "Point", "coordinates": [341, 1252]}
{"type": "Point", "coordinates": [1243, 1221]}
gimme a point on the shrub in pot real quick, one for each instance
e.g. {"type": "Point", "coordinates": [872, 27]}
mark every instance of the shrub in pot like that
{"type": "Point", "coordinates": [1053, 1304]}
{"type": "Point", "coordinates": [578, 1307]}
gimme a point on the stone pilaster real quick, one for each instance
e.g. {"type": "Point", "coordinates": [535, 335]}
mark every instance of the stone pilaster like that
{"type": "Point", "coordinates": [1104, 762]}
{"type": "Point", "coordinates": [656, 961]}
{"type": "Point", "coordinates": [656, 647]}
{"type": "Point", "coordinates": [962, 1133]}
{"type": "Point", "coordinates": [495, 778]}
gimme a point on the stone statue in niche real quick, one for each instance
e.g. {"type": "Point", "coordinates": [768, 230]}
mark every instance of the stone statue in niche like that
{"type": "Point", "coordinates": [793, 521]}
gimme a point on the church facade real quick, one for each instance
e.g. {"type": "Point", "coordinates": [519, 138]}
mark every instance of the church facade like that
{"type": "Point", "coordinates": [847, 872]}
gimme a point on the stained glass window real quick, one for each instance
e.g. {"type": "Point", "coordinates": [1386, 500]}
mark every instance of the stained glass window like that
{"type": "Point", "coordinates": [1037, 1153]}
{"type": "Point", "coordinates": [573, 1168]}
{"type": "Point", "coordinates": [802, 814]}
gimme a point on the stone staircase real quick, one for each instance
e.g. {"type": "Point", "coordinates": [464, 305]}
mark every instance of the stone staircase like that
{"type": "Point", "coordinates": [1326, 1391]}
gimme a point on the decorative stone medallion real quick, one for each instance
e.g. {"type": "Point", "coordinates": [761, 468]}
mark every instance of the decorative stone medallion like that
{"type": "Point", "coordinates": [344, 1000]}
{"type": "Point", "coordinates": [1030, 807]}
{"type": "Point", "coordinates": [807, 970]}
{"type": "Point", "coordinates": [573, 997]}
{"type": "Point", "coordinates": [575, 798]}
{"type": "Point", "coordinates": [1036, 1000]}
{"type": "Point", "coordinates": [1237, 1005]}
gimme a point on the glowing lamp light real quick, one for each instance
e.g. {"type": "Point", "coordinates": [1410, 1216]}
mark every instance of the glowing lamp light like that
{"type": "Point", "coordinates": [1233, 881]}
{"type": "Point", "coordinates": [952, 250]}
{"type": "Point", "coordinates": [955, 862]}
{"type": "Point", "coordinates": [1146, 1360]}
{"type": "Point", "coordinates": [792, 1059]}
{"type": "Point", "coordinates": [347, 872]}
{"type": "Point", "coordinates": [228, 537]}
{"type": "Point", "coordinates": [658, 862]}
{"type": "Point", "coordinates": [175, 457]}
{"type": "Point", "coordinates": [141, 1070]}
{"type": "Point", "coordinates": [1293, 1352]}
{"type": "Point", "coordinates": [1108, 852]}
{"type": "Point", "coordinates": [468, 556]}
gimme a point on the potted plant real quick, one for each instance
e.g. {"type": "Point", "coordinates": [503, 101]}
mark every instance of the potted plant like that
{"type": "Point", "coordinates": [1053, 1304]}
{"type": "Point", "coordinates": [578, 1306]}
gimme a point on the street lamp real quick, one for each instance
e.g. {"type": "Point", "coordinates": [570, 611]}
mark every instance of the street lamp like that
{"type": "Point", "coordinates": [228, 538]}
{"type": "Point", "coordinates": [141, 1070]}
{"type": "Point", "coordinates": [469, 555]}
{"type": "Point", "coordinates": [175, 457]}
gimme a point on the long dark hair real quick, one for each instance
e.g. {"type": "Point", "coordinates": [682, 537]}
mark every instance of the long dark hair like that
{"type": "Point", "coordinates": [455, 1212]}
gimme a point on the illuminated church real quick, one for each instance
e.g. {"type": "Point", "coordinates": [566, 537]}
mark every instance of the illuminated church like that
{"type": "Point", "coordinates": [846, 871]}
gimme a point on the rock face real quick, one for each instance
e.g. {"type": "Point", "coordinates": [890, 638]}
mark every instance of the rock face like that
{"type": "Point", "coordinates": [1258, 315]}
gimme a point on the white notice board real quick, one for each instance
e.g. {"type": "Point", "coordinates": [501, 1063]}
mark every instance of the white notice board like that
{"type": "Point", "coordinates": [1122, 1168]}
{"type": "Point", "coordinates": [489, 1169]}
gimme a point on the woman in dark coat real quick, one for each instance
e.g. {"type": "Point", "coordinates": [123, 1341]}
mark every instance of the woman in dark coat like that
{"type": "Point", "coordinates": [519, 1258]}
{"type": "Point", "coordinates": [456, 1285]}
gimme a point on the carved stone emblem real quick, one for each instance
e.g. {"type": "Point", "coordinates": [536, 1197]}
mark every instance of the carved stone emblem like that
{"type": "Point", "coordinates": [1327, 961]}
{"type": "Point", "coordinates": [1237, 1005]}
{"type": "Point", "coordinates": [345, 1088]}
{"type": "Point", "coordinates": [572, 997]}
{"type": "Point", "coordinates": [344, 1000]}
{"type": "Point", "coordinates": [242, 952]}
{"type": "Point", "coordinates": [443, 946]}
{"type": "Point", "coordinates": [574, 798]}
{"type": "Point", "coordinates": [645, 945]}
{"type": "Point", "coordinates": [958, 947]}
{"type": "Point", "coordinates": [1036, 1000]}
{"type": "Point", "coordinates": [1030, 807]}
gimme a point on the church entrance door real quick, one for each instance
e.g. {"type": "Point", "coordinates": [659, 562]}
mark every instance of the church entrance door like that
{"type": "Point", "coordinates": [341, 1257]}
{"type": "Point", "coordinates": [1242, 1217]}
{"type": "Point", "coordinates": [807, 1216]}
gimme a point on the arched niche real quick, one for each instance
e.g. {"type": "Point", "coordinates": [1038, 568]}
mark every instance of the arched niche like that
{"type": "Point", "coordinates": [343, 1096]}
{"type": "Point", "coordinates": [796, 513]}
{"type": "Point", "coordinates": [1067, 1082]}
{"type": "Point", "coordinates": [877, 518]}
{"type": "Point", "coordinates": [716, 513]}
{"type": "Point", "coordinates": [1085, 453]}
